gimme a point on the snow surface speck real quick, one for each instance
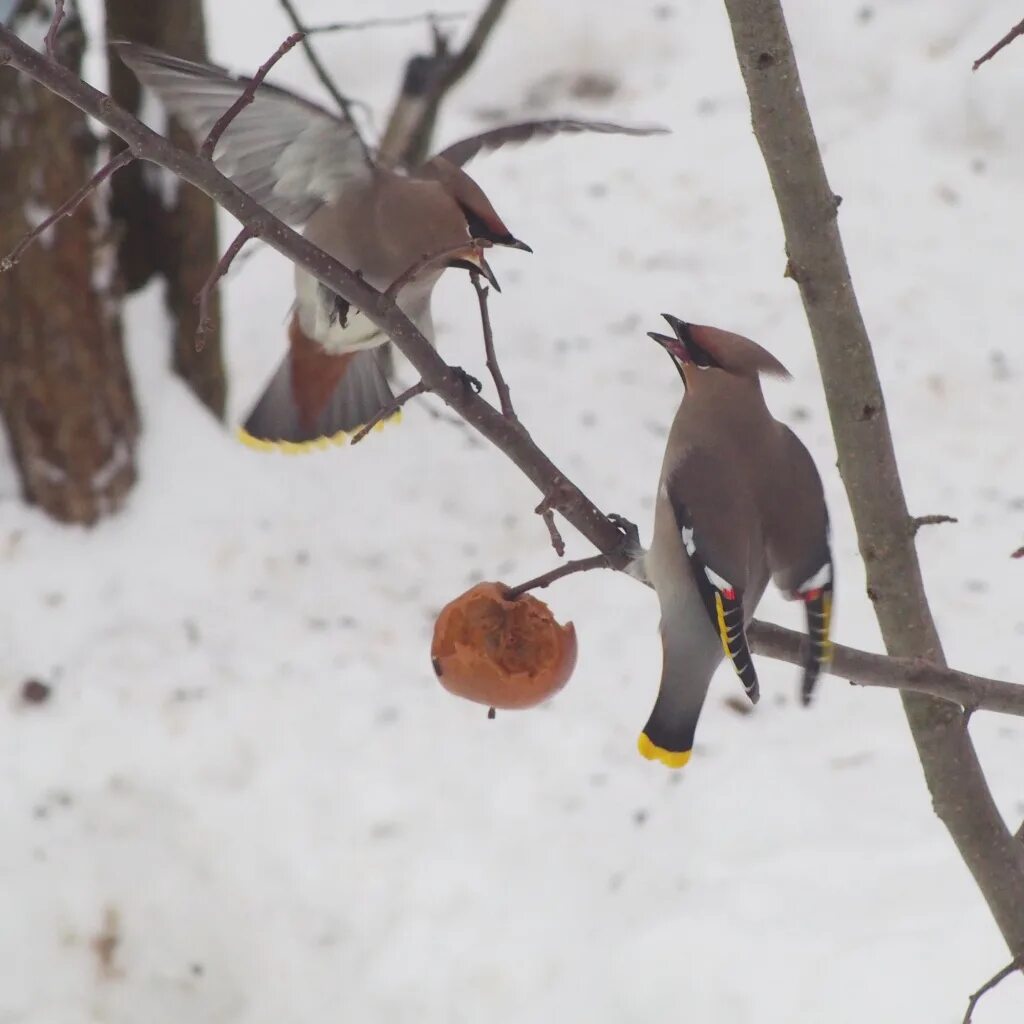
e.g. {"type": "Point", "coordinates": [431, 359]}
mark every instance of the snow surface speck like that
{"type": "Point", "coordinates": [248, 800]}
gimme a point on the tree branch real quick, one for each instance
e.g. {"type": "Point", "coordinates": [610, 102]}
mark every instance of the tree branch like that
{"type": "Point", "coordinates": [50, 41]}
{"type": "Point", "coordinates": [344, 104]}
{"type": "Point", "coordinates": [203, 298]}
{"type": "Point", "coordinates": [867, 462]}
{"type": "Point", "coordinates": [1016, 965]}
{"type": "Point", "coordinates": [247, 96]}
{"type": "Point", "coordinates": [933, 520]}
{"type": "Point", "coordinates": [389, 410]}
{"type": "Point", "coordinates": [492, 359]}
{"type": "Point", "coordinates": [66, 208]}
{"type": "Point", "coordinates": [973, 693]}
{"type": "Point", "coordinates": [1017, 30]}
{"type": "Point", "coordinates": [567, 569]}
{"type": "Point", "coordinates": [433, 17]}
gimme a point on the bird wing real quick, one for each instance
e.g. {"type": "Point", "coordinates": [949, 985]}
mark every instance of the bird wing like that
{"type": "Point", "coordinates": [464, 150]}
{"type": "Point", "coordinates": [708, 512]}
{"type": "Point", "coordinates": [290, 155]}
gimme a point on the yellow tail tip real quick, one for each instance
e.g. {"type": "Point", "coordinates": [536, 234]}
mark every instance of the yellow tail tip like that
{"type": "Point", "coordinates": [262, 444]}
{"type": "Point", "coordinates": [669, 758]}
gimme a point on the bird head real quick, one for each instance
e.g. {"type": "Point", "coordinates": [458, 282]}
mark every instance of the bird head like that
{"type": "Point", "coordinates": [483, 225]}
{"type": "Point", "coordinates": [696, 348]}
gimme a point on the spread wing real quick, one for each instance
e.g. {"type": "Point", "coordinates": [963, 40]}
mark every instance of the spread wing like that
{"type": "Point", "coordinates": [462, 152]}
{"type": "Point", "coordinates": [709, 514]}
{"type": "Point", "coordinates": [289, 154]}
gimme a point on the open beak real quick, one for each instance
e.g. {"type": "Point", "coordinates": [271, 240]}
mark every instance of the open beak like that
{"type": "Point", "coordinates": [514, 243]}
{"type": "Point", "coordinates": [475, 263]}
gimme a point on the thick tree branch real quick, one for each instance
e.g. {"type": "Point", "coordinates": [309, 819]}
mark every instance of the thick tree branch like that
{"type": "Point", "coordinates": [867, 462]}
{"type": "Point", "coordinates": [1017, 30]}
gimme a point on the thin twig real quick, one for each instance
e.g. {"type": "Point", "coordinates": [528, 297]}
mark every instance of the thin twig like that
{"type": "Point", "coordinates": [933, 520]}
{"type": "Point", "coordinates": [432, 17]}
{"type": "Point", "coordinates": [1016, 965]}
{"type": "Point", "coordinates": [247, 96]}
{"type": "Point", "coordinates": [203, 298]}
{"type": "Point", "coordinates": [1017, 30]}
{"type": "Point", "coordinates": [68, 207]}
{"type": "Point", "coordinates": [51, 34]}
{"type": "Point", "coordinates": [343, 103]}
{"type": "Point", "coordinates": [549, 521]}
{"type": "Point", "coordinates": [388, 410]}
{"type": "Point", "coordinates": [567, 569]}
{"type": "Point", "coordinates": [415, 269]}
{"type": "Point", "coordinates": [492, 358]}
{"type": "Point", "coordinates": [438, 377]}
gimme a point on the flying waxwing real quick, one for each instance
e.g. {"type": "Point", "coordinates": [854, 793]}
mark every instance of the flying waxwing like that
{"type": "Point", "coordinates": [308, 166]}
{"type": "Point", "coordinates": [739, 501]}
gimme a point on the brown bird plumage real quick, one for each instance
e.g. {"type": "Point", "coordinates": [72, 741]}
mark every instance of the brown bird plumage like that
{"type": "Point", "coordinates": [309, 166]}
{"type": "Point", "coordinates": [739, 502]}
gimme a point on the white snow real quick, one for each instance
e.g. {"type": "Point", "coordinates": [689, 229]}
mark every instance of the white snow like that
{"type": "Point", "coordinates": [247, 763]}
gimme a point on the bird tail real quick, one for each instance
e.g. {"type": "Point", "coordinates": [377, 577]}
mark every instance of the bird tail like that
{"type": "Point", "coordinates": [690, 662]}
{"type": "Point", "coordinates": [316, 399]}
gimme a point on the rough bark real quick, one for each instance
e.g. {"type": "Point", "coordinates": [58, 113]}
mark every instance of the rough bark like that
{"type": "Point", "coordinates": [867, 461]}
{"type": "Point", "coordinates": [65, 394]}
{"type": "Point", "coordinates": [168, 232]}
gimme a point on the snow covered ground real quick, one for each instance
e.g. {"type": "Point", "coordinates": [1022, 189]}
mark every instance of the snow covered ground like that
{"type": "Point", "coordinates": [249, 801]}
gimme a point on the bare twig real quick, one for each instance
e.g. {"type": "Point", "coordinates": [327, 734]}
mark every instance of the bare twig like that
{"type": "Point", "coordinates": [549, 521]}
{"type": "Point", "coordinates": [492, 359]}
{"type": "Point", "coordinates": [567, 569]}
{"type": "Point", "coordinates": [1015, 965]}
{"type": "Point", "coordinates": [225, 119]}
{"type": "Point", "coordinates": [433, 17]}
{"type": "Point", "coordinates": [1017, 30]}
{"type": "Point", "coordinates": [429, 260]}
{"type": "Point", "coordinates": [203, 298]}
{"type": "Point", "coordinates": [867, 461]}
{"type": "Point", "coordinates": [344, 104]}
{"type": "Point", "coordinates": [933, 520]}
{"type": "Point", "coordinates": [66, 208]}
{"type": "Point", "coordinates": [50, 41]}
{"type": "Point", "coordinates": [389, 410]}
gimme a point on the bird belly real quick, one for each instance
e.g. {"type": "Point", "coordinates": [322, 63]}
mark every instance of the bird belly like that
{"type": "Point", "coordinates": [338, 328]}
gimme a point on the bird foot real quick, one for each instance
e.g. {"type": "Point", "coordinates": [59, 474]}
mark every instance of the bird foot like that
{"type": "Point", "coordinates": [630, 546]}
{"type": "Point", "coordinates": [467, 379]}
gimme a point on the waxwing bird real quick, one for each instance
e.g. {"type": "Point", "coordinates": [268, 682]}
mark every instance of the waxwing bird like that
{"type": "Point", "coordinates": [739, 501]}
{"type": "Point", "coordinates": [308, 166]}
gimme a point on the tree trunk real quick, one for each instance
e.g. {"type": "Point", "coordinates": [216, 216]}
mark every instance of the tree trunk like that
{"type": "Point", "coordinates": [167, 231]}
{"type": "Point", "coordinates": [65, 394]}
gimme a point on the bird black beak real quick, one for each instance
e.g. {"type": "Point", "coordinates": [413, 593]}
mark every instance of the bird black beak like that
{"type": "Point", "coordinates": [663, 340]}
{"type": "Point", "coordinates": [681, 328]}
{"type": "Point", "coordinates": [514, 243]}
{"type": "Point", "coordinates": [478, 266]}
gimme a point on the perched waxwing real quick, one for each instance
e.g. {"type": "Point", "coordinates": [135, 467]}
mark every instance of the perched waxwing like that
{"type": "Point", "coordinates": [308, 166]}
{"type": "Point", "coordinates": [739, 501]}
